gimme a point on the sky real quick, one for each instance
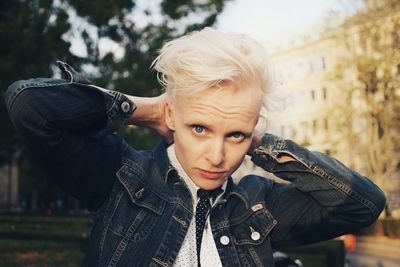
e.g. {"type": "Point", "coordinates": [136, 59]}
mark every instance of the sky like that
{"type": "Point", "coordinates": [275, 21]}
{"type": "Point", "coordinates": [272, 22]}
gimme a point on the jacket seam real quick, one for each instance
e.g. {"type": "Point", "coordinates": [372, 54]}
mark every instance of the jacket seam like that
{"type": "Point", "coordinates": [332, 180]}
{"type": "Point", "coordinates": [337, 183]}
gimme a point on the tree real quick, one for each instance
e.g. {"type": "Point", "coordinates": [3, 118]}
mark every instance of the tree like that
{"type": "Point", "coordinates": [367, 77]}
{"type": "Point", "coordinates": [36, 33]}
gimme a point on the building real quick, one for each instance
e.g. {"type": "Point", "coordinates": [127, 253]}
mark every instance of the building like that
{"type": "Point", "coordinates": [304, 70]}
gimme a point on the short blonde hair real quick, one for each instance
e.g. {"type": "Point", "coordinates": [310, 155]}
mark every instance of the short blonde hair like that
{"type": "Point", "coordinates": [209, 58]}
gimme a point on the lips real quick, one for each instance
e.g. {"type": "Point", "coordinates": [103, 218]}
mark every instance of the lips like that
{"type": "Point", "coordinates": [211, 175]}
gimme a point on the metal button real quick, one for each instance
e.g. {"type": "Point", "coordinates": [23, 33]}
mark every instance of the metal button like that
{"type": "Point", "coordinates": [255, 236]}
{"type": "Point", "coordinates": [125, 106]}
{"type": "Point", "coordinates": [224, 240]}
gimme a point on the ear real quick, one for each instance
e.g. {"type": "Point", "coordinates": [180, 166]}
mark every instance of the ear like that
{"type": "Point", "coordinates": [169, 115]}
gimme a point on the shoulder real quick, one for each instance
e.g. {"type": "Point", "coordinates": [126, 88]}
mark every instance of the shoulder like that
{"type": "Point", "coordinates": [149, 163]}
{"type": "Point", "coordinates": [254, 180]}
{"type": "Point", "coordinates": [255, 184]}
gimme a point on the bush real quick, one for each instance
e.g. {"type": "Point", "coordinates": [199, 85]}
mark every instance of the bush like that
{"type": "Point", "coordinates": [383, 227]}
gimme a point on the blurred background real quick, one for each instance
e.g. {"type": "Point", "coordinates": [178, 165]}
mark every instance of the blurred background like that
{"type": "Point", "coordinates": [335, 66]}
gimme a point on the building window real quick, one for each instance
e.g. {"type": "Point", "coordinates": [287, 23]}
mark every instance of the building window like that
{"type": "Point", "coordinates": [323, 64]}
{"type": "Point", "coordinates": [314, 126]}
{"type": "Point", "coordinates": [312, 93]}
{"type": "Point", "coordinates": [324, 93]}
{"type": "Point", "coordinates": [326, 124]}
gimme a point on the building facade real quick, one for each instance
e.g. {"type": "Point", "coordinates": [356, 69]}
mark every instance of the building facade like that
{"type": "Point", "coordinates": [304, 71]}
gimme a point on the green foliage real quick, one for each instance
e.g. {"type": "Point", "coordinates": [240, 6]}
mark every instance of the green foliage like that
{"type": "Point", "coordinates": [28, 45]}
{"type": "Point", "coordinates": [36, 33]}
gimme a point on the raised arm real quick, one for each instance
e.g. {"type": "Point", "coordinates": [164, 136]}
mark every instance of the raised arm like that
{"type": "Point", "coordinates": [67, 126]}
{"type": "Point", "coordinates": [325, 198]}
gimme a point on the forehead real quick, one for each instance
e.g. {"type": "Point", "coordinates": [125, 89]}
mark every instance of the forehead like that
{"type": "Point", "coordinates": [228, 105]}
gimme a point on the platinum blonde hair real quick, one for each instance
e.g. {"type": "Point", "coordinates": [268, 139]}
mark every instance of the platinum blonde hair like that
{"type": "Point", "coordinates": [210, 58]}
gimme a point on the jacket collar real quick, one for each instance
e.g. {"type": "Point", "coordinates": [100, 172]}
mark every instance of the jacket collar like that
{"type": "Point", "coordinates": [168, 172]}
{"type": "Point", "coordinates": [166, 169]}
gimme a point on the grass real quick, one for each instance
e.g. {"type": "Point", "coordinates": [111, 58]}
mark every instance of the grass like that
{"type": "Point", "coordinates": [39, 253]}
{"type": "Point", "coordinates": [37, 241]}
{"type": "Point", "coordinates": [53, 228]}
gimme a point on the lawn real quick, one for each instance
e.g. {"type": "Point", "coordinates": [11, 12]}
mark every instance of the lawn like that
{"type": "Point", "coordinates": [39, 241]}
{"type": "Point", "coordinates": [36, 241]}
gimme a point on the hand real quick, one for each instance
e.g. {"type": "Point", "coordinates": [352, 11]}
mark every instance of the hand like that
{"type": "Point", "coordinates": [150, 113]}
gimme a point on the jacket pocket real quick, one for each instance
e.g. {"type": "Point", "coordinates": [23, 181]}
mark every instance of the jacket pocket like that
{"type": "Point", "coordinates": [137, 209]}
{"type": "Point", "coordinates": [251, 236]}
{"type": "Point", "coordinates": [253, 226]}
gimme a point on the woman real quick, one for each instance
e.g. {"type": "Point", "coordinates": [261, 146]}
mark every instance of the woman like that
{"type": "Point", "coordinates": [177, 204]}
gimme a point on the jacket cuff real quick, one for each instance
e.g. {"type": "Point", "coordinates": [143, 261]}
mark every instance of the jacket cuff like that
{"type": "Point", "coordinates": [118, 106]}
{"type": "Point", "coordinates": [265, 156]}
{"type": "Point", "coordinates": [118, 109]}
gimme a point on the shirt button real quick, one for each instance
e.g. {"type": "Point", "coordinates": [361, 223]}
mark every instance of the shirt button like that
{"type": "Point", "coordinates": [125, 106]}
{"type": "Point", "coordinates": [255, 236]}
{"type": "Point", "coordinates": [224, 240]}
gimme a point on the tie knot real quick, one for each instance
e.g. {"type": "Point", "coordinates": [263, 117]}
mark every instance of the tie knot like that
{"type": "Point", "coordinates": [201, 193]}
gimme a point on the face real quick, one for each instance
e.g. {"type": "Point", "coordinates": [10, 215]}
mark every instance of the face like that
{"type": "Point", "coordinates": [213, 131]}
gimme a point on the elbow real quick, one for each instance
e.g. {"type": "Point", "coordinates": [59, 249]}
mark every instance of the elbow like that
{"type": "Point", "coordinates": [9, 93]}
{"type": "Point", "coordinates": [378, 204]}
{"type": "Point", "coordinates": [13, 91]}
{"type": "Point", "coordinates": [21, 104]}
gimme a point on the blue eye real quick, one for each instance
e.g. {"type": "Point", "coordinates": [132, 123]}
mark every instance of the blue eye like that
{"type": "Point", "coordinates": [198, 129]}
{"type": "Point", "coordinates": [237, 135]}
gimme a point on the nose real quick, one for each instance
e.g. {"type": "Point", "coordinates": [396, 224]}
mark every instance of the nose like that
{"type": "Point", "coordinates": [216, 153]}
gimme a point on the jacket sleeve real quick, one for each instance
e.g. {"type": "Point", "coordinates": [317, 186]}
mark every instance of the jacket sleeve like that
{"type": "Point", "coordinates": [67, 126]}
{"type": "Point", "coordinates": [325, 199]}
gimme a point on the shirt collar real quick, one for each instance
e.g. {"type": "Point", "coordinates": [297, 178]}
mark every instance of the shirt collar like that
{"type": "Point", "coordinates": [185, 177]}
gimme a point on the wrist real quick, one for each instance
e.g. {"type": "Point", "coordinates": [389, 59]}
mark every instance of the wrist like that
{"type": "Point", "coordinates": [147, 111]}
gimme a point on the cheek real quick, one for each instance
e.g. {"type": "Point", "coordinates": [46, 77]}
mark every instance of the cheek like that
{"type": "Point", "coordinates": [187, 146]}
{"type": "Point", "coordinates": [236, 153]}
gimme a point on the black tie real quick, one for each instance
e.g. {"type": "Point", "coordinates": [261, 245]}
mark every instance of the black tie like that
{"type": "Point", "coordinates": [202, 209]}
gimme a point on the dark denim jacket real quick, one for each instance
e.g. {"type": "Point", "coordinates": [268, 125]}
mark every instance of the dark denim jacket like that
{"type": "Point", "coordinates": [142, 209]}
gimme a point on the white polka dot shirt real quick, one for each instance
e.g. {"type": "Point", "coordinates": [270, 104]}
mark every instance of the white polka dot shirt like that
{"type": "Point", "coordinates": [187, 256]}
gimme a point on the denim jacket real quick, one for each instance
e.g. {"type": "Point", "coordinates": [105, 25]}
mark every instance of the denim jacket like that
{"type": "Point", "coordinates": [142, 209]}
